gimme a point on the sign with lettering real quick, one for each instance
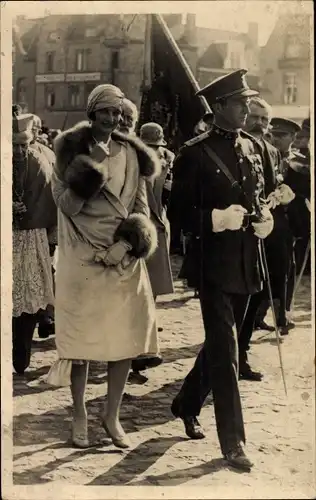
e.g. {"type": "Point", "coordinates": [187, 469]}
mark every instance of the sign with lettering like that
{"type": "Point", "coordinates": [83, 77]}
{"type": "Point", "coordinates": [50, 78]}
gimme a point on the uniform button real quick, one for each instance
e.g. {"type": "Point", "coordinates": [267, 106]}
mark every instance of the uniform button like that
{"type": "Point", "coordinates": [244, 178]}
{"type": "Point", "coordinates": [217, 171]}
{"type": "Point", "coordinates": [240, 160]}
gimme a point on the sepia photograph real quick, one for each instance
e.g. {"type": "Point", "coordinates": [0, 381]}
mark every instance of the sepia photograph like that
{"type": "Point", "coordinates": [157, 306]}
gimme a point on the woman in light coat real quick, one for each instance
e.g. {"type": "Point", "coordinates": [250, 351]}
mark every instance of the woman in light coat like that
{"type": "Point", "coordinates": [104, 309]}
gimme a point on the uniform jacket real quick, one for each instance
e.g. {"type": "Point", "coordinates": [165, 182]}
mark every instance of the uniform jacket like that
{"type": "Point", "coordinates": [278, 244]}
{"type": "Point", "coordinates": [229, 259]}
{"type": "Point", "coordinates": [296, 169]}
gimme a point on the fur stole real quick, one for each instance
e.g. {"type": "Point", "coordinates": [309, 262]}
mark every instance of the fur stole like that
{"type": "Point", "coordinates": [75, 166]}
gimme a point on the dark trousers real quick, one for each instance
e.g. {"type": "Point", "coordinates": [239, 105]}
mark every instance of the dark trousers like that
{"type": "Point", "coordinates": [23, 328]}
{"type": "Point", "coordinates": [216, 366]}
{"type": "Point", "coordinates": [245, 332]}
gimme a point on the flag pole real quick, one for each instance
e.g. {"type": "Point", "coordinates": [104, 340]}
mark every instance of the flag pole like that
{"type": "Point", "coordinates": [186, 67]}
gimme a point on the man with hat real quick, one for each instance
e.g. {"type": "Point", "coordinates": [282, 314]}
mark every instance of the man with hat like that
{"type": "Point", "coordinates": [276, 246]}
{"type": "Point", "coordinates": [158, 266]}
{"type": "Point", "coordinates": [296, 173]}
{"type": "Point", "coordinates": [221, 210]}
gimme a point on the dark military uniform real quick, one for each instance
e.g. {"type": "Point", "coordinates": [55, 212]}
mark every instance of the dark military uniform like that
{"type": "Point", "coordinates": [278, 251]}
{"type": "Point", "coordinates": [296, 174]}
{"type": "Point", "coordinates": [224, 266]}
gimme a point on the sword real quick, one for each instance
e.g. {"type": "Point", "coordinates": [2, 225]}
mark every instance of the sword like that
{"type": "Point", "coordinates": [276, 329]}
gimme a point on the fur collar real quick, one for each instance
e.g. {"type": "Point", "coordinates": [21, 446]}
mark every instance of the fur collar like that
{"type": "Point", "coordinates": [78, 140]}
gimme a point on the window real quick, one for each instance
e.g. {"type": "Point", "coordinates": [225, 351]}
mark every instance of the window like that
{"type": "Point", "coordinates": [53, 36]}
{"type": "Point", "coordinates": [50, 98]}
{"type": "Point", "coordinates": [82, 59]}
{"type": "Point", "coordinates": [21, 90]}
{"type": "Point", "coordinates": [292, 47]}
{"type": "Point", "coordinates": [88, 89]}
{"type": "Point", "coordinates": [91, 32]}
{"type": "Point", "coordinates": [74, 96]}
{"type": "Point", "coordinates": [50, 56]}
{"type": "Point", "coordinates": [235, 60]}
{"type": "Point", "coordinates": [115, 60]}
{"type": "Point", "coordinates": [290, 88]}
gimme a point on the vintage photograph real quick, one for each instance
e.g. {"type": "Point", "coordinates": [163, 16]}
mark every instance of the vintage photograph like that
{"type": "Point", "coordinates": [162, 326]}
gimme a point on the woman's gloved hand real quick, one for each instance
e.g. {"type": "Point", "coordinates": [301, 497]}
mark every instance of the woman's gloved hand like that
{"type": "Point", "coordinates": [265, 227]}
{"type": "Point", "coordinates": [115, 254]}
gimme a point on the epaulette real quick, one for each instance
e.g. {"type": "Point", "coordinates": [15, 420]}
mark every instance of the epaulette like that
{"type": "Point", "coordinates": [197, 139]}
{"type": "Point", "coordinates": [251, 137]}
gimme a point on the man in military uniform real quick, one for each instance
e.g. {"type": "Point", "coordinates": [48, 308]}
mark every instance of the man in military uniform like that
{"type": "Point", "coordinates": [296, 173]}
{"type": "Point", "coordinates": [276, 244]}
{"type": "Point", "coordinates": [221, 184]}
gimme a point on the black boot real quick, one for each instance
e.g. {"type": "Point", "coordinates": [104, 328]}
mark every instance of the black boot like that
{"type": "Point", "coordinates": [192, 426]}
{"type": "Point", "coordinates": [245, 371]}
{"type": "Point", "coordinates": [22, 334]}
{"type": "Point", "coordinates": [237, 458]}
{"type": "Point", "coordinates": [142, 363]}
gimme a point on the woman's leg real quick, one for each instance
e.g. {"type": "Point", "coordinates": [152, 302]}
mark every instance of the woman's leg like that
{"type": "Point", "coordinates": [117, 376]}
{"type": "Point", "coordinates": [79, 376]}
{"type": "Point", "coordinates": [22, 334]}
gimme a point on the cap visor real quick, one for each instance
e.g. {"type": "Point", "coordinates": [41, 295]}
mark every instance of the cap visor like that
{"type": "Point", "coordinates": [249, 93]}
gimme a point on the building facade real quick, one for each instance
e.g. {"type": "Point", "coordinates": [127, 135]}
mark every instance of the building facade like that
{"type": "Point", "coordinates": [67, 56]}
{"type": "Point", "coordinates": [286, 66]}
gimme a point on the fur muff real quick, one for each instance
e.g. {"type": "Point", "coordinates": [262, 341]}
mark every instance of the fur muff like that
{"type": "Point", "coordinates": [83, 178]}
{"type": "Point", "coordinates": [141, 233]}
{"type": "Point", "coordinates": [78, 140]}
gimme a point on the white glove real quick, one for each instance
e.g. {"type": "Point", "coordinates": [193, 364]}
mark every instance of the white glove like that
{"type": "Point", "coordinates": [308, 204]}
{"type": "Point", "coordinates": [114, 255]}
{"type": "Point", "coordinates": [168, 185]}
{"type": "Point", "coordinates": [264, 228]}
{"type": "Point", "coordinates": [286, 194]}
{"type": "Point", "coordinates": [230, 218]}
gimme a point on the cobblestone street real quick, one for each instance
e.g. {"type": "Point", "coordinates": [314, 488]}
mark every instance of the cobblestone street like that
{"type": "Point", "coordinates": [280, 432]}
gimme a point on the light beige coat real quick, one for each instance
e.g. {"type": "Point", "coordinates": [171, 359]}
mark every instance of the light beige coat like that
{"type": "Point", "coordinates": [100, 314]}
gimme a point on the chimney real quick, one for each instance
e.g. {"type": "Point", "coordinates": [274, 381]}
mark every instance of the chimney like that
{"type": "Point", "coordinates": [172, 19]}
{"type": "Point", "coordinates": [253, 33]}
{"type": "Point", "coordinates": [190, 29]}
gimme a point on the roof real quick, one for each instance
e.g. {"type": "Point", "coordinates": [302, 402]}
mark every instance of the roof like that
{"type": "Point", "coordinates": [206, 36]}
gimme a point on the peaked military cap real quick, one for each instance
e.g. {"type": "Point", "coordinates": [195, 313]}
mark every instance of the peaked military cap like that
{"type": "Point", "coordinates": [227, 86]}
{"type": "Point", "coordinates": [284, 126]}
{"type": "Point", "coordinates": [306, 124]}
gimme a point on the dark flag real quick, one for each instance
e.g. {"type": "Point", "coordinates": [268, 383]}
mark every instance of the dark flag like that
{"type": "Point", "coordinates": [169, 86]}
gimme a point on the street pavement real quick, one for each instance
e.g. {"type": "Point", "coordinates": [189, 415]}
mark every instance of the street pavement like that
{"type": "Point", "coordinates": [280, 431]}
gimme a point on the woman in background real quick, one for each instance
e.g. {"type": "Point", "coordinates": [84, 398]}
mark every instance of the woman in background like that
{"type": "Point", "coordinates": [158, 265]}
{"type": "Point", "coordinates": [34, 213]}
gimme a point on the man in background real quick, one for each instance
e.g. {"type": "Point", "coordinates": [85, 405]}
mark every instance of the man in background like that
{"type": "Point", "coordinates": [296, 172]}
{"type": "Point", "coordinates": [129, 117]}
{"type": "Point", "coordinates": [258, 124]}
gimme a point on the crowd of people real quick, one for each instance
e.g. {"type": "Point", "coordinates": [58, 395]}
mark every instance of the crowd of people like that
{"type": "Point", "coordinates": [97, 210]}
